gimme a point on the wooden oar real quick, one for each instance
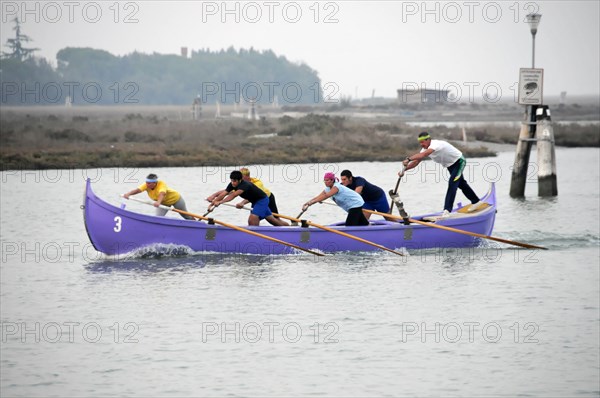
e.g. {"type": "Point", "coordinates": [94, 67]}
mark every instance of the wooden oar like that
{"type": "Point", "coordinates": [335, 231]}
{"type": "Point", "coordinates": [396, 201]}
{"type": "Point", "coordinates": [460, 231]}
{"type": "Point", "coordinates": [229, 226]}
{"type": "Point", "coordinates": [300, 215]}
{"type": "Point", "coordinates": [392, 193]}
{"type": "Point", "coordinates": [209, 210]}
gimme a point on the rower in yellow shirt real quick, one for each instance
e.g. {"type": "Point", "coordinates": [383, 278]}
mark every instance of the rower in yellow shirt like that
{"type": "Point", "coordinates": [162, 195]}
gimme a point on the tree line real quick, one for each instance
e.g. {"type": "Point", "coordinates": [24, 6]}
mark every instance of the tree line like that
{"type": "Point", "coordinates": [97, 77]}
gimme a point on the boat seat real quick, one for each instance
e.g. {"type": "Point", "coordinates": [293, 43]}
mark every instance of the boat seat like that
{"type": "Point", "coordinates": [462, 212]}
{"type": "Point", "coordinates": [479, 206]}
{"type": "Point", "coordinates": [450, 216]}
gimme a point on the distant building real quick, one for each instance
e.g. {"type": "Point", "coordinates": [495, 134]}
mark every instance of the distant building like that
{"type": "Point", "coordinates": [423, 96]}
{"type": "Point", "coordinates": [184, 52]}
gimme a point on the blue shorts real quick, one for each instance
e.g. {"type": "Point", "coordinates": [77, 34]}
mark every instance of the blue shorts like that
{"type": "Point", "coordinates": [261, 208]}
{"type": "Point", "coordinates": [380, 205]}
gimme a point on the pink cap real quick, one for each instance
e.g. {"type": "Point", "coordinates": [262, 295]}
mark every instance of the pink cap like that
{"type": "Point", "coordinates": [329, 176]}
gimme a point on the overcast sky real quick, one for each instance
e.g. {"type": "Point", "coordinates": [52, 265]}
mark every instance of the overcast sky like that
{"type": "Point", "coordinates": [469, 47]}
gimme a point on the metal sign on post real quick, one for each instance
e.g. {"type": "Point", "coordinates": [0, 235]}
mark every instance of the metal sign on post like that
{"type": "Point", "coordinates": [531, 86]}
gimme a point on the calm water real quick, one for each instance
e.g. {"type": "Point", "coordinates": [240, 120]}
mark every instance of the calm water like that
{"type": "Point", "coordinates": [491, 321]}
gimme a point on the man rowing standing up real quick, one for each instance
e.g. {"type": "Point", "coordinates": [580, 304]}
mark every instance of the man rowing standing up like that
{"type": "Point", "coordinates": [448, 156]}
{"type": "Point", "coordinates": [246, 190]}
{"type": "Point", "coordinates": [373, 196]}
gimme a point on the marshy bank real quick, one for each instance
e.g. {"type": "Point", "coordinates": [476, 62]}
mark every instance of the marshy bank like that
{"type": "Point", "coordinates": [90, 137]}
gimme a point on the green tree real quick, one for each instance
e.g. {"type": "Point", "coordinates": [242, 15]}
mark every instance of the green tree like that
{"type": "Point", "coordinates": [99, 77]}
{"type": "Point", "coordinates": [17, 50]}
{"type": "Point", "coordinates": [31, 81]}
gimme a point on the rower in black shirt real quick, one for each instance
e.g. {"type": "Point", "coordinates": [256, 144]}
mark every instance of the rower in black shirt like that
{"type": "Point", "coordinates": [250, 192]}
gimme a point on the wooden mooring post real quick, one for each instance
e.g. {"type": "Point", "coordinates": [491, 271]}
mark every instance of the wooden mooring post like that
{"type": "Point", "coordinates": [519, 172]}
{"type": "Point", "coordinates": [537, 130]}
{"type": "Point", "coordinates": [546, 156]}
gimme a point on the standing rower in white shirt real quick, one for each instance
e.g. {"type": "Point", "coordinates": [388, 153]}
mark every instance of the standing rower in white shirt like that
{"type": "Point", "coordinates": [448, 156]}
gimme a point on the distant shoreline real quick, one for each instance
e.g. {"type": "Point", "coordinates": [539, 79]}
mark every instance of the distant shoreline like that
{"type": "Point", "coordinates": [166, 136]}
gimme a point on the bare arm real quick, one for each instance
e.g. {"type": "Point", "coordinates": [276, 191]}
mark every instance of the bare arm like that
{"type": "Point", "coordinates": [160, 198]}
{"type": "Point", "coordinates": [320, 197]}
{"type": "Point", "coordinates": [413, 160]}
{"type": "Point", "coordinates": [241, 204]}
{"type": "Point", "coordinates": [228, 198]}
{"type": "Point", "coordinates": [216, 195]}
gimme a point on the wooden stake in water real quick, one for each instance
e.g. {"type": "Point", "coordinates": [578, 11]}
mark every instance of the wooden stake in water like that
{"type": "Point", "coordinates": [546, 156]}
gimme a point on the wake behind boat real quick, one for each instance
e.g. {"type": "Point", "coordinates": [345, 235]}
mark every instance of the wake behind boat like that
{"type": "Point", "coordinates": [113, 230]}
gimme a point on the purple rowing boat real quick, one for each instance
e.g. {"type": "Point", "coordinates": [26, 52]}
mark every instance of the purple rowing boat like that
{"type": "Point", "coordinates": [113, 230]}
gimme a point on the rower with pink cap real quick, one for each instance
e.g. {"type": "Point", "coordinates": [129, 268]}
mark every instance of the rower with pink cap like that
{"type": "Point", "coordinates": [345, 198]}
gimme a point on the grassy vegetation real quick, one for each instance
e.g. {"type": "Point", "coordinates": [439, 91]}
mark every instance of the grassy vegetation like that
{"type": "Point", "coordinates": [568, 135]}
{"type": "Point", "coordinates": [51, 138]}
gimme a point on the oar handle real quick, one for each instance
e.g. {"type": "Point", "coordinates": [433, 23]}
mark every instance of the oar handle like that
{"type": "Point", "coordinates": [148, 202]}
{"type": "Point", "coordinates": [299, 215]}
{"type": "Point", "coordinates": [399, 179]}
{"type": "Point", "coordinates": [211, 207]}
{"type": "Point", "coordinates": [395, 191]}
{"type": "Point", "coordinates": [232, 205]}
{"type": "Point", "coordinates": [327, 203]}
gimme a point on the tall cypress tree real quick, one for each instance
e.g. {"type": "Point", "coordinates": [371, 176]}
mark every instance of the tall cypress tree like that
{"type": "Point", "coordinates": [17, 50]}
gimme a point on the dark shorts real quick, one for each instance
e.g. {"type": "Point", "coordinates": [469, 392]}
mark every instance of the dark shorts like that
{"type": "Point", "coordinates": [380, 205]}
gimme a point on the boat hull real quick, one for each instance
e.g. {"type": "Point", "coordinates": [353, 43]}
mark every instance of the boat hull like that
{"type": "Point", "coordinates": [113, 230]}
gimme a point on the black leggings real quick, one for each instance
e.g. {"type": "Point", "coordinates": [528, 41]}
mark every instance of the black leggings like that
{"type": "Point", "coordinates": [356, 217]}
{"type": "Point", "coordinates": [273, 204]}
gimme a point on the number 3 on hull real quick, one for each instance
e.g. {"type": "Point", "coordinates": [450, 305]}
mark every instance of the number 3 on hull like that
{"type": "Point", "coordinates": [117, 221]}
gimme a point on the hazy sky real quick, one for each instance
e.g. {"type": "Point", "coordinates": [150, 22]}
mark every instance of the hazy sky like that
{"type": "Point", "coordinates": [469, 47]}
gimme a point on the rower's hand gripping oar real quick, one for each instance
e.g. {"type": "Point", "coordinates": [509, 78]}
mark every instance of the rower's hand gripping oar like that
{"type": "Point", "coordinates": [294, 222]}
{"type": "Point", "coordinates": [212, 220]}
{"type": "Point", "coordinates": [211, 207]}
{"type": "Point", "coordinates": [304, 208]}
